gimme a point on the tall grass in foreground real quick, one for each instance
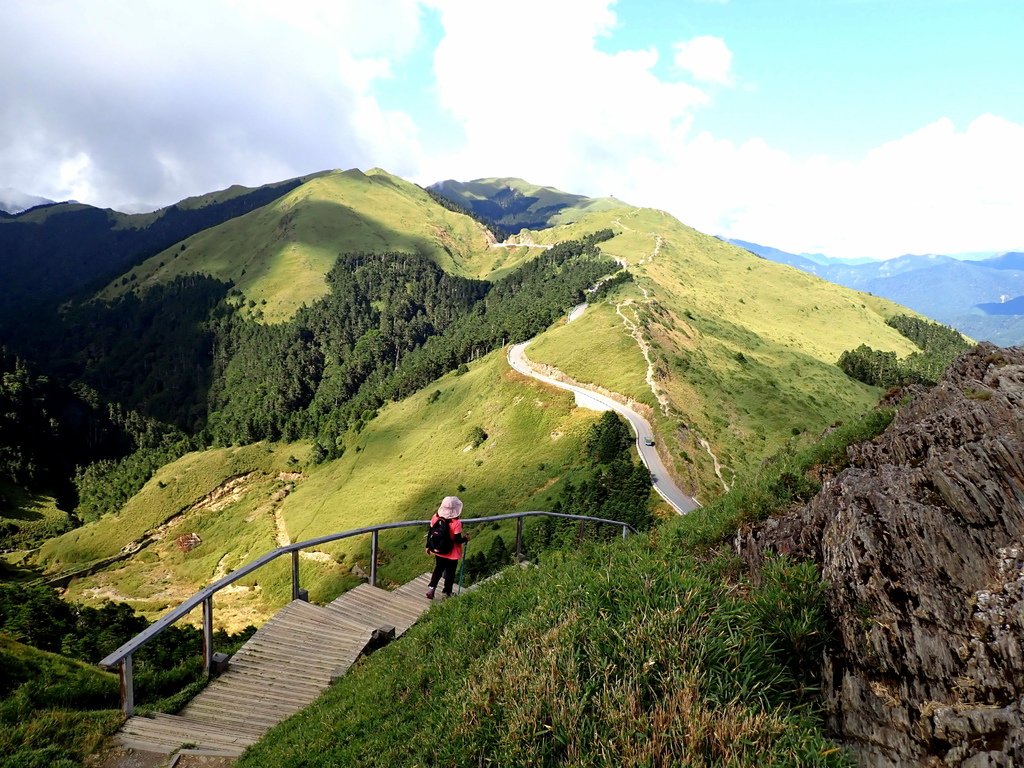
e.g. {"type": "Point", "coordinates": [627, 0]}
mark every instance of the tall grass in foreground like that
{"type": "Point", "coordinates": [658, 651]}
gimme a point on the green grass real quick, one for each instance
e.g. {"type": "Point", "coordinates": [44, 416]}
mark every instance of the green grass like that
{"type": "Point", "coordinates": [597, 349]}
{"type": "Point", "coordinates": [28, 518]}
{"type": "Point", "coordinates": [397, 468]}
{"type": "Point", "coordinates": [658, 651]}
{"type": "Point", "coordinates": [170, 492]}
{"type": "Point", "coordinates": [278, 255]}
{"type": "Point", "coordinates": [54, 711]}
{"type": "Point", "coordinates": [416, 452]}
{"type": "Point", "coordinates": [745, 349]}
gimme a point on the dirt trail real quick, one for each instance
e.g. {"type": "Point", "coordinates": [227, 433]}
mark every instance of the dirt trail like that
{"type": "Point", "coordinates": [634, 327]}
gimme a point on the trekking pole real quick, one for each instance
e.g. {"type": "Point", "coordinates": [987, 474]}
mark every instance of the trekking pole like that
{"type": "Point", "coordinates": [462, 569]}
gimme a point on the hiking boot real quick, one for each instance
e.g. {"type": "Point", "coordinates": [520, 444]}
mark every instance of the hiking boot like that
{"type": "Point", "coordinates": [430, 593]}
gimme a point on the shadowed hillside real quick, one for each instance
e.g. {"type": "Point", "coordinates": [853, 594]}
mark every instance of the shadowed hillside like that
{"type": "Point", "coordinates": [515, 204]}
{"type": "Point", "coordinates": [53, 252]}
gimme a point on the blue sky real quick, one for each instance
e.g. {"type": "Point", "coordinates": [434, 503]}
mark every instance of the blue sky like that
{"type": "Point", "coordinates": [849, 127]}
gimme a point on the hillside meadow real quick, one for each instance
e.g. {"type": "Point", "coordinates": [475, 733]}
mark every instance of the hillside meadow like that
{"type": "Point", "coordinates": [660, 650]}
{"type": "Point", "coordinates": [277, 255]}
{"type": "Point", "coordinates": [246, 500]}
{"type": "Point", "coordinates": [742, 351]}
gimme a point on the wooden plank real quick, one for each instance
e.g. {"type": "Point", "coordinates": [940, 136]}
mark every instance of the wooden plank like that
{"type": "Point", "coordinates": [282, 669]}
{"type": "Point", "coordinates": [229, 712]}
{"type": "Point", "coordinates": [417, 603]}
{"type": "Point", "coordinates": [175, 738]}
{"type": "Point", "coordinates": [275, 685]}
{"type": "Point", "coordinates": [319, 614]}
{"type": "Point", "coordinates": [296, 630]}
{"type": "Point", "coordinates": [260, 689]}
{"type": "Point", "coordinates": [310, 652]}
{"type": "Point", "coordinates": [205, 729]}
{"type": "Point", "coordinates": [375, 615]}
{"type": "Point", "coordinates": [294, 633]}
{"type": "Point", "coordinates": [386, 606]}
{"type": "Point", "coordinates": [320, 622]}
{"type": "Point", "coordinates": [317, 680]}
{"type": "Point", "coordinates": [162, 748]}
{"type": "Point", "coordinates": [286, 661]}
{"type": "Point", "coordinates": [213, 714]}
{"type": "Point", "coordinates": [247, 702]}
{"type": "Point", "coordinates": [302, 653]}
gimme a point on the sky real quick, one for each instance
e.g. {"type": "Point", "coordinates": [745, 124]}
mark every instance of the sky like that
{"type": "Point", "coordinates": [853, 128]}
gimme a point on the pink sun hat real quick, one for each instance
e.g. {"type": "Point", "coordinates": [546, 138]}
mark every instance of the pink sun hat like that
{"type": "Point", "coordinates": [450, 508]}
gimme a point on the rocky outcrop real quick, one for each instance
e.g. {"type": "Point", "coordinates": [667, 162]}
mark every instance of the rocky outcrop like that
{"type": "Point", "coordinates": [921, 541]}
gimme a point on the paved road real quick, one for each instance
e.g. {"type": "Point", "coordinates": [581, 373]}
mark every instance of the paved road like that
{"type": "Point", "coordinates": [661, 480]}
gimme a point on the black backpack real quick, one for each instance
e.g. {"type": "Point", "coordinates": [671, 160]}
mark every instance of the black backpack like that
{"type": "Point", "coordinates": [439, 538]}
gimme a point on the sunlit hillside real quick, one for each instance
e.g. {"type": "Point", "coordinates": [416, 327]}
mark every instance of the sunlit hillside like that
{"type": "Point", "coordinates": [243, 502]}
{"type": "Point", "coordinates": [734, 354]}
{"type": "Point", "coordinates": [277, 256]}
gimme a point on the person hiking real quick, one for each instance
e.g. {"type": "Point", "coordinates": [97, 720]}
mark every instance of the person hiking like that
{"type": "Point", "coordinates": [444, 541]}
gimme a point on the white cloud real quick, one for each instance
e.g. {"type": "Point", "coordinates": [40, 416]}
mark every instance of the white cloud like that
{"type": "Point", "coordinates": [542, 101]}
{"type": "Point", "coordinates": [131, 101]}
{"type": "Point", "coordinates": [707, 58]}
{"type": "Point", "coordinates": [936, 190]}
{"type": "Point", "coordinates": [537, 99]}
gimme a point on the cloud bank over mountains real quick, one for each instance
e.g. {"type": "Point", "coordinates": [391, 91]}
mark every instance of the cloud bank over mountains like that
{"type": "Point", "coordinates": [131, 102]}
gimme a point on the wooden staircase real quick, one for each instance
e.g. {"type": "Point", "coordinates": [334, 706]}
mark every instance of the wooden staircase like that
{"type": "Point", "coordinates": [282, 669]}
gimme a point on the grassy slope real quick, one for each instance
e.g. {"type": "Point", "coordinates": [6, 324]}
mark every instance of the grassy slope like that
{"type": "Point", "coordinates": [54, 716]}
{"type": "Point", "coordinates": [280, 253]}
{"type": "Point", "coordinates": [744, 348]}
{"type": "Point", "coordinates": [35, 515]}
{"type": "Point", "coordinates": [657, 651]}
{"type": "Point", "coordinates": [398, 468]}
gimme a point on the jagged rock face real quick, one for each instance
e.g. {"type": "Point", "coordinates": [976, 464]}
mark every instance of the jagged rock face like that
{"type": "Point", "coordinates": [922, 543]}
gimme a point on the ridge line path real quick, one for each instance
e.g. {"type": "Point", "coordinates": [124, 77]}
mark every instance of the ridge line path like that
{"type": "Point", "coordinates": [587, 398]}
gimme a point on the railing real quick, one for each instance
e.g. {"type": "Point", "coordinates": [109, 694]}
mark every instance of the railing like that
{"type": "Point", "coordinates": [122, 657]}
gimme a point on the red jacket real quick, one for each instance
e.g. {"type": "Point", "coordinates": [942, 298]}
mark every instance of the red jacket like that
{"type": "Point", "coordinates": [456, 528]}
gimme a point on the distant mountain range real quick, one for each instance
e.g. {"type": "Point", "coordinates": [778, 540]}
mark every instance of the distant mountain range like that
{"type": "Point", "coordinates": [983, 298]}
{"type": "Point", "coordinates": [514, 204]}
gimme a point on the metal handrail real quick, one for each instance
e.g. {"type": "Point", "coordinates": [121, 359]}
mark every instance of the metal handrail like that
{"type": "Point", "coordinates": [122, 657]}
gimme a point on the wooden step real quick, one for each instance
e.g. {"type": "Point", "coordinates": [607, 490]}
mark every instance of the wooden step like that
{"type": "Point", "coordinates": [415, 589]}
{"type": "Point", "coordinates": [377, 608]}
{"type": "Point", "coordinates": [283, 668]}
{"type": "Point", "coordinates": [173, 731]}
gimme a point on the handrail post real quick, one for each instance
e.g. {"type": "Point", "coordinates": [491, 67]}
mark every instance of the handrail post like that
{"type": "Point", "coordinates": [127, 686]}
{"type": "Point", "coordinates": [208, 636]}
{"type": "Point", "coordinates": [373, 558]}
{"type": "Point", "coordinates": [519, 540]}
{"type": "Point", "coordinates": [625, 533]}
{"type": "Point", "coordinates": [295, 574]}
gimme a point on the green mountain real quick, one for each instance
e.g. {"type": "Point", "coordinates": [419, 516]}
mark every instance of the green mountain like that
{"type": "Point", "coordinates": [733, 355]}
{"type": "Point", "coordinates": [54, 252]}
{"type": "Point", "coordinates": [278, 256]}
{"type": "Point", "coordinates": [514, 204]}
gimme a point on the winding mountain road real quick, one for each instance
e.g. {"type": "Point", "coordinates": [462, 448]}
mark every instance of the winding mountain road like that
{"type": "Point", "coordinates": [585, 398]}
